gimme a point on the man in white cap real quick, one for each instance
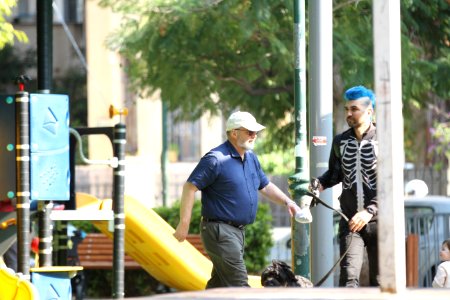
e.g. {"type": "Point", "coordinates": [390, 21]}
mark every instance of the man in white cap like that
{"type": "Point", "coordinates": [229, 178]}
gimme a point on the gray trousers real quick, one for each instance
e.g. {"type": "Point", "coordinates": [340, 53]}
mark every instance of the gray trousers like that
{"type": "Point", "coordinates": [225, 246]}
{"type": "Point", "coordinates": [358, 242]}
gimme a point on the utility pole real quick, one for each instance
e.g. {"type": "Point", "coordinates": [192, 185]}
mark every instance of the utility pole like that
{"type": "Point", "coordinates": [320, 89]}
{"type": "Point", "coordinates": [298, 183]}
{"type": "Point", "coordinates": [388, 89]}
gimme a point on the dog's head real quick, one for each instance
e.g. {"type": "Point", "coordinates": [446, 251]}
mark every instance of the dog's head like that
{"type": "Point", "coordinates": [278, 274]}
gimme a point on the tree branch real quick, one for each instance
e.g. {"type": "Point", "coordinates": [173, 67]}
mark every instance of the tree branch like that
{"type": "Point", "coordinates": [339, 6]}
{"type": "Point", "coordinates": [249, 89]}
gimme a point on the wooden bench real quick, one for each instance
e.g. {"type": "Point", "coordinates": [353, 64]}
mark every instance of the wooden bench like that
{"type": "Point", "coordinates": [196, 241]}
{"type": "Point", "coordinates": [95, 251]}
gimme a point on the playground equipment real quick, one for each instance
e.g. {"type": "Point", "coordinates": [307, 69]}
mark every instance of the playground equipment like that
{"type": "Point", "coordinates": [36, 140]}
{"type": "Point", "coordinates": [43, 172]}
{"type": "Point", "coordinates": [150, 242]}
{"type": "Point", "coordinates": [14, 287]}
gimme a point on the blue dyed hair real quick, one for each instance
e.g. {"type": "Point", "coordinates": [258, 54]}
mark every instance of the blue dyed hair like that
{"type": "Point", "coordinates": [360, 91]}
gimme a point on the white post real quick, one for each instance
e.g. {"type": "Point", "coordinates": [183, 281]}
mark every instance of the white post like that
{"type": "Point", "coordinates": [388, 90]}
{"type": "Point", "coordinates": [321, 131]}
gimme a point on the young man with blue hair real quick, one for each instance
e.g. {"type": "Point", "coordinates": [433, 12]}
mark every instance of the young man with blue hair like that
{"type": "Point", "coordinates": [353, 162]}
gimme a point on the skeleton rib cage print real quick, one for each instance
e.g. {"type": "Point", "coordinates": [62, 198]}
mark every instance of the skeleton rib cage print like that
{"type": "Point", "coordinates": [359, 165]}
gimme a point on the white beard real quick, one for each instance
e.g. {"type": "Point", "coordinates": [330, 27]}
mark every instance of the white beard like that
{"type": "Point", "coordinates": [247, 145]}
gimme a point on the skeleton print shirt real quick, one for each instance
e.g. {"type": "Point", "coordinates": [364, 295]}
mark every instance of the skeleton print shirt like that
{"type": "Point", "coordinates": [355, 165]}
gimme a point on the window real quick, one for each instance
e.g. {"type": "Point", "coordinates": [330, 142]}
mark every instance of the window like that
{"type": "Point", "coordinates": [73, 11]}
{"type": "Point", "coordinates": [184, 138]}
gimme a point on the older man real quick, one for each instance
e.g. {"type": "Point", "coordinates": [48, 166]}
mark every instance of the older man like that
{"type": "Point", "coordinates": [229, 178]}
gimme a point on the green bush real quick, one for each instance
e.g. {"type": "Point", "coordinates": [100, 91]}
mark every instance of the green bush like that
{"type": "Point", "coordinates": [258, 237]}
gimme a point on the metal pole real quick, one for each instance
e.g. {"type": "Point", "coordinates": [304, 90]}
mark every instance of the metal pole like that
{"type": "Point", "coordinates": [388, 89]}
{"type": "Point", "coordinates": [45, 233]}
{"type": "Point", "coordinates": [321, 130]}
{"type": "Point", "coordinates": [44, 45]}
{"type": "Point", "coordinates": [164, 154]}
{"type": "Point", "coordinates": [119, 142]}
{"type": "Point", "coordinates": [44, 28]}
{"type": "Point", "coordinates": [22, 100]}
{"type": "Point", "coordinates": [298, 183]}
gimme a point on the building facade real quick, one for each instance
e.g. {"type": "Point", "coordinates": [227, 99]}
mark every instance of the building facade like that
{"type": "Point", "coordinates": [79, 32]}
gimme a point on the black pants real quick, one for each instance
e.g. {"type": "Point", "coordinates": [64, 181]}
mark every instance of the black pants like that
{"type": "Point", "coordinates": [358, 242]}
{"type": "Point", "coordinates": [225, 246]}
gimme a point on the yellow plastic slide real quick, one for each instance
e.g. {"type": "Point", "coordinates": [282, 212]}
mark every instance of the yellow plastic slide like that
{"type": "Point", "coordinates": [149, 241]}
{"type": "Point", "coordinates": [13, 287]}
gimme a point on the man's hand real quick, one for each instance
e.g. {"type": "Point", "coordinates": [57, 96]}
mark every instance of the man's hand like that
{"type": "Point", "coordinates": [315, 187]}
{"type": "Point", "coordinates": [292, 207]}
{"type": "Point", "coordinates": [181, 232]}
{"type": "Point", "coordinates": [359, 220]}
{"type": "Point", "coordinates": [187, 202]}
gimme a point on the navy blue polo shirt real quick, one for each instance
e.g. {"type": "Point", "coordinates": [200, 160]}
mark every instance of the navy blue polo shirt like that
{"type": "Point", "coordinates": [229, 186]}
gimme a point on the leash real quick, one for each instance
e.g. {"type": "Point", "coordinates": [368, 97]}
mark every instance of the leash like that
{"type": "Point", "coordinates": [318, 200]}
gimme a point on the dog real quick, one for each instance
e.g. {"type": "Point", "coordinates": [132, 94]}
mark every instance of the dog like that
{"type": "Point", "coordinates": [279, 274]}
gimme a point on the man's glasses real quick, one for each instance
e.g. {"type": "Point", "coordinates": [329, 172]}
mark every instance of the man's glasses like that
{"type": "Point", "coordinates": [249, 132]}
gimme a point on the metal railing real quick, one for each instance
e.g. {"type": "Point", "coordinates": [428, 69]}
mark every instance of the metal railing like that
{"type": "Point", "coordinates": [431, 230]}
{"type": "Point", "coordinates": [428, 230]}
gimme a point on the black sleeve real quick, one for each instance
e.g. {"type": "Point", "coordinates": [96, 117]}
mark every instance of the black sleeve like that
{"type": "Point", "coordinates": [333, 175]}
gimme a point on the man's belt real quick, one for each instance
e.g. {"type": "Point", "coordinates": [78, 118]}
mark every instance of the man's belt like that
{"type": "Point", "coordinates": [238, 226]}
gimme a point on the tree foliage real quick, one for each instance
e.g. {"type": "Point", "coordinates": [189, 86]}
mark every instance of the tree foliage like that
{"type": "Point", "coordinates": [240, 51]}
{"type": "Point", "coordinates": [7, 31]}
{"type": "Point", "coordinates": [238, 54]}
{"type": "Point", "coordinates": [425, 61]}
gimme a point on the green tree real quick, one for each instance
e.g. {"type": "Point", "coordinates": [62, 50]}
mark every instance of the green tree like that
{"type": "Point", "coordinates": [7, 31]}
{"type": "Point", "coordinates": [242, 52]}
{"type": "Point", "coordinates": [425, 58]}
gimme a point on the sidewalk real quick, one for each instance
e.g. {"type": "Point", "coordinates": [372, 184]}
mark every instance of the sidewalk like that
{"type": "Point", "coordinates": [306, 294]}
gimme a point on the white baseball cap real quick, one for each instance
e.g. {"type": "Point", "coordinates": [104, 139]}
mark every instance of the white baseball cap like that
{"type": "Point", "coordinates": [243, 119]}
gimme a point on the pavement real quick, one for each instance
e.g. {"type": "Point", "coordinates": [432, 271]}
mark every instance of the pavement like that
{"type": "Point", "coordinates": [307, 294]}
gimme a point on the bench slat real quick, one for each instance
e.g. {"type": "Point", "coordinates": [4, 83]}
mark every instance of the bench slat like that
{"type": "Point", "coordinates": [96, 251]}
